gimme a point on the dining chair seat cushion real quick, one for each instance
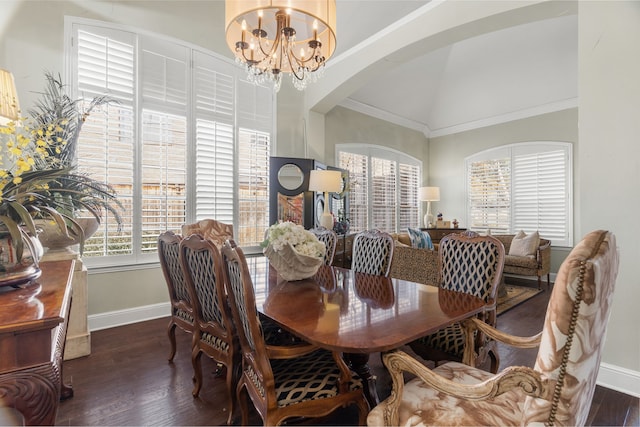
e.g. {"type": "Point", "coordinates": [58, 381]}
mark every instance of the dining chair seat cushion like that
{"type": "Point", "coordinates": [312, 376]}
{"type": "Point", "coordinates": [425, 406]}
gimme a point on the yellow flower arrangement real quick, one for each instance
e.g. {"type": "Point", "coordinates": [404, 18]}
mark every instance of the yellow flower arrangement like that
{"type": "Point", "coordinates": [37, 179]}
{"type": "Point", "coordinates": [25, 176]}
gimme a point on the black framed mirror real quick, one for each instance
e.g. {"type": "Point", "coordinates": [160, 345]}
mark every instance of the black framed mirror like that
{"type": "Point", "coordinates": [290, 176]}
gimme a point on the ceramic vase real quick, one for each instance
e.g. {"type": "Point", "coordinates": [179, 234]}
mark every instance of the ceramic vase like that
{"type": "Point", "coordinates": [14, 272]}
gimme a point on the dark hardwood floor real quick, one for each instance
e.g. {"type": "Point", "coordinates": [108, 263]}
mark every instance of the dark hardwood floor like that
{"type": "Point", "coordinates": [127, 380]}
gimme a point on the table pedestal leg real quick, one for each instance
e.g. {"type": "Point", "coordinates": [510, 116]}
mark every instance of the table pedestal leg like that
{"type": "Point", "coordinates": [359, 363]}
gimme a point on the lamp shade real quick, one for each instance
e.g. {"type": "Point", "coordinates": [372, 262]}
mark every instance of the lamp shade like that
{"type": "Point", "coordinates": [325, 180]}
{"type": "Point", "coordinates": [429, 194]}
{"type": "Point", "coordinates": [9, 108]}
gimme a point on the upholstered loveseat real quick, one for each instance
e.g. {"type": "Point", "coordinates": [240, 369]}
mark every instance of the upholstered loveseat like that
{"type": "Point", "coordinates": [413, 264]}
{"type": "Point", "coordinates": [536, 265]}
{"type": "Point", "coordinates": [421, 265]}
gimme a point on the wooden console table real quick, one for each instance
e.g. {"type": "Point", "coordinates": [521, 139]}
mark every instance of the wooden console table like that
{"type": "Point", "coordinates": [33, 326]}
{"type": "Point", "coordinates": [438, 233]}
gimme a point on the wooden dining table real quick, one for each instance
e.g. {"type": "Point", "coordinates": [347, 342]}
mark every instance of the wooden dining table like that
{"type": "Point", "coordinates": [356, 313]}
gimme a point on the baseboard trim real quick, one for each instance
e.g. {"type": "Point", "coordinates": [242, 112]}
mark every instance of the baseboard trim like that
{"type": "Point", "coordinates": [128, 316]}
{"type": "Point", "coordinates": [610, 376]}
{"type": "Point", "coordinates": [620, 379]}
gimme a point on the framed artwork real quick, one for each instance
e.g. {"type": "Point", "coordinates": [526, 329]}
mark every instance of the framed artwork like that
{"type": "Point", "coordinates": [291, 208]}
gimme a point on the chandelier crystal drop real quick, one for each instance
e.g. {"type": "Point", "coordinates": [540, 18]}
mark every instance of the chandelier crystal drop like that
{"type": "Point", "coordinates": [282, 36]}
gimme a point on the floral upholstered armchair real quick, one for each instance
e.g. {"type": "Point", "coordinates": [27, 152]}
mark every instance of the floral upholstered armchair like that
{"type": "Point", "coordinates": [557, 391]}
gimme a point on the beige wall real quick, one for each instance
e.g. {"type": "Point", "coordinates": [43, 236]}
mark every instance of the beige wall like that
{"type": "Point", "coordinates": [447, 154]}
{"type": "Point", "coordinates": [609, 122]}
{"type": "Point", "coordinates": [32, 39]}
{"type": "Point", "coordinates": [343, 126]}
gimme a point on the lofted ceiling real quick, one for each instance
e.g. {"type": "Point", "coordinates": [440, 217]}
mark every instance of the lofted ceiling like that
{"type": "Point", "coordinates": [514, 72]}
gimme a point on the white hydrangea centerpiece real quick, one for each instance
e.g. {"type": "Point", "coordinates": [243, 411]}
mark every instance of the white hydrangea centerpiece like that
{"type": "Point", "coordinates": [294, 252]}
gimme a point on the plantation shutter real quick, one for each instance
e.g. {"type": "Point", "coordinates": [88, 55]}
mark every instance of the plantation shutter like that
{"type": "Point", "coordinates": [409, 205]}
{"type": "Point", "coordinates": [106, 64]}
{"type": "Point", "coordinates": [255, 115]}
{"type": "Point", "coordinates": [358, 167]}
{"type": "Point", "coordinates": [383, 194]}
{"type": "Point", "coordinates": [214, 91]}
{"type": "Point", "coordinates": [489, 195]}
{"type": "Point", "coordinates": [524, 186]}
{"type": "Point", "coordinates": [540, 194]}
{"type": "Point", "coordinates": [164, 140]}
{"type": "Point", "coordinates": [383, 187]}
{"type": "Point", "coordinates": [187, 140]}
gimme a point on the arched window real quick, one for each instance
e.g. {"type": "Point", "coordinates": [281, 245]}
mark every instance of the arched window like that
{"type": "Point", "coordinates": [383, 187]}
{"type": "Point", "coordinates": [524, 186]}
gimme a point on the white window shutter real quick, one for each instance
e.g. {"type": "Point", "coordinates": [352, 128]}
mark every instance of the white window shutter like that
{"type": "Point", "coordinates": [383, 187]}
{"type": "Point", "coordinates": [489, 195]}
{"type": "Point", "coordinates": [524, 186]}
{"type": "Point", "coordinates": [383, 194]}
{"type": "Point", "coordinates": [358, 167]}
{"type": "Point", "coordinates": [540, 193]}
{"type": "Point", "coordinates": [106, 147]}
{"type": "Point", "coordinates": [189, 109]}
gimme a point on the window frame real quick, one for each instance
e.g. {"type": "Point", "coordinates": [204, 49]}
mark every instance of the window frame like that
{"type": "Point", "coordinates": [265, 123]}
{"type": "Point", "coordinates": [511, 152]}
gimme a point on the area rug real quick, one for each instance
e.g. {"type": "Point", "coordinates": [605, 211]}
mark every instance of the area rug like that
{"type": "Point", "coordinates": [516, 295]}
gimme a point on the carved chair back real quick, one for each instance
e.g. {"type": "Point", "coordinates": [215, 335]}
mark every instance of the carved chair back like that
{"type": "Point", "coordinates": [473, 264]}
{"type": "Point", "coordinates": [330, 239]}
{"type": "Point", "coordinates": [574, 330]}
{"type": "Point", "coordinates": [179, 298]}
{"type": "Point", "coordinates": [211, 229]}
{"type": "Point", "coordinates": [558, 390]}
{"type": "Point", "coordinates": [372, 252]}
{"type": "Point", "coordinates": [283, 383]}
{"type": "Point", "coordinates": [200, 260]}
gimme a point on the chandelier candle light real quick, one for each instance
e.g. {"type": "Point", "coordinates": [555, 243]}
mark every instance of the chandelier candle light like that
{"type": "Point", "coordinates": [272, 37]}
{"type": "Point", "coordinates": [327, 181]}
{"type": "Point", "coordinates": [429, 194]}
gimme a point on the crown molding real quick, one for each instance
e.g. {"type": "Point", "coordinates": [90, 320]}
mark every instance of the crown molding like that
{"type": "Point", "coordinates": [463, 127]}
{"type": "Point", "coordinates": [384, 115]}
{"type": "Point", "coordinates": [508, 117]}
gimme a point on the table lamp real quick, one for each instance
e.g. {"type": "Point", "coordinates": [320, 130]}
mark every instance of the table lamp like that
{"type": "Point", "coordinates": [327, 182]}
{"type": "Point", "coordinates": [9, 109]}
{"type": "Point", "coordinates": [429, 194]}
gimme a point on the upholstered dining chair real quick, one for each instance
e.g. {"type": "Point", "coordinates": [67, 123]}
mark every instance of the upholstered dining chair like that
{"type": "Point", "coordinates": [372, 252]}
{"type": "Point", "coordinates": [283, 382]}
{"type": "Point", "coordinates": [214, 333]}
{"type": "Point", "coordinates": [181, 307]}
{"type": "Point", "coordinates": [558, 390]}
{"type": "Point", "coordinates": [211, 229]}
{"type": "Point", "coordinates": [470, 263]}
{"type": "Point", "coordinates": [330, 239]}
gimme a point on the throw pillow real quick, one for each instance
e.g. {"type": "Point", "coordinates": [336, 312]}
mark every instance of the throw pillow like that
{"type": "Point", "coordinates": [420, 239]}
{"type": "Point", "coordinates": [523, 245]}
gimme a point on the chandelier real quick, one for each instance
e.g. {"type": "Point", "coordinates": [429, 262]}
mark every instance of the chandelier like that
{"type": "Point", "coordinates": [272, 37]}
